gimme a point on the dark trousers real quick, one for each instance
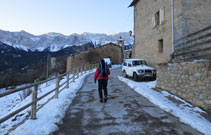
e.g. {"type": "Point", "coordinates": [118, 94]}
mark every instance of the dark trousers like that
{"type": "Point", "coordinates": [102, 85]}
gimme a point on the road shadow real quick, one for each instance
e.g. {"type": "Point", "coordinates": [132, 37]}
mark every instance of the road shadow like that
{"type": "Point", "coordinates": [140, 80]}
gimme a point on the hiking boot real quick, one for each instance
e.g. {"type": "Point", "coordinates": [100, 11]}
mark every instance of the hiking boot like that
{"type": "Point", "coordinates": [101, 100]}
{"type": "Point", "coordinates": [105, 100]}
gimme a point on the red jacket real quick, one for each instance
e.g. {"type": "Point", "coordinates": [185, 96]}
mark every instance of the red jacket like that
{"type": "Point", "coordinates": [97, 73]}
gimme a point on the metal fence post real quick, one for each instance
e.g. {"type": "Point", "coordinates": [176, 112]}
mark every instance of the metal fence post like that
{"type": "Point", "coordinates": [34, 106]}
{"type": "Point", "coordinates": [68, 77]}
{"type": "Point", "coordinates": [57, 87]}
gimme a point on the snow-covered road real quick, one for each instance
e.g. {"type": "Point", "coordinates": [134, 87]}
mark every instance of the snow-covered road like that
{"type": "Point", "coordinates": [125, 113]}
{"type": "Point", "coordinates": [133, 108]}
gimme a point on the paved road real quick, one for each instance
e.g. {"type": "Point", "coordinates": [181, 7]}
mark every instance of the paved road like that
{"type": "Point", "coordinates": [125, 113]}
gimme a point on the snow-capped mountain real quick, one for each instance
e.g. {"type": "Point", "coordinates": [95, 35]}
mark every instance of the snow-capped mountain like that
{"type": "Point", "coordinates": [56, 41]}
{"type": "Point", "coordinates": [16, 59]}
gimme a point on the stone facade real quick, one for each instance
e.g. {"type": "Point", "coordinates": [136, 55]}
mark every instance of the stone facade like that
{"type": "Point", "coordinates": [189, 80]}
{"type": "Point", "coordinates": [189, 16]}
{"type": "Point", "coordinates": [93, 56]}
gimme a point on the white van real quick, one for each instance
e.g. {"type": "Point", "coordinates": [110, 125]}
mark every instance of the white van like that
{"type": "Point", "coordinates": [108, 61]}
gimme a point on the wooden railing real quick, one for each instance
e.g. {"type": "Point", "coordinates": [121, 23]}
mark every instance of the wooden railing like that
{"type": "Point", "coordinates": [76, 72]}
{"type": "Point", "coordinates": [196, 45]}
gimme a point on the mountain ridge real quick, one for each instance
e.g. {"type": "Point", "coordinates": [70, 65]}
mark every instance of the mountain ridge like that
{"type": "Point", "coordinates": [15, 59]}
{"type": "Point", "coordinates": [57, 41]}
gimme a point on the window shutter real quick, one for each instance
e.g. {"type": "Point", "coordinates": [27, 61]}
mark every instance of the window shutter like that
{"type": "Point", "coordinates": [162, 15]}
{"type": "Point", "coordinates": [153, 21]}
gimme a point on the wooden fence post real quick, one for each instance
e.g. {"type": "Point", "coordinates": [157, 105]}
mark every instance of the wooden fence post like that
{"type": "Point", "coordinates": [82, 70]}
{"type": "Point", "coordinates": [90, 68]}
{"type": "Point", "coordinates": [57, 86]}
{"type": "Point", "coordinates": [85, 69]}
{"type": "Point", "coordinates": [77, 72]}
{"type": "Point", "coordinates": [34, 106]}
{"type": "Point", "coordinates": [73, 74]}
{"type": "Point", "coordinates": [68, 78]}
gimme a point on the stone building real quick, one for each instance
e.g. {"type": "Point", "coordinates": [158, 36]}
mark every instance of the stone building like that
{"type": "Point", "coordinates": [181, 28]}
{"type": "Point", "coordinates": [159, 23]}
{"type": "Point", "coordinates": [94, 55]}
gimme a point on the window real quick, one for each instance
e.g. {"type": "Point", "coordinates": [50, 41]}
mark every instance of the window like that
{"type": "Point", "coordinates": [142, 62]}
{"type": "Point", "coordinates": [158, 18]}
{"type": "Point", "coordinates": [129, 65]}
{"type": "Point", "coordinates": [160, 46]}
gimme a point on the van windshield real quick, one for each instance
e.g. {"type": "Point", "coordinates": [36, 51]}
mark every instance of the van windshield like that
{"type": "Point", "coordinates": [107, 60]}
{"type": "Point", "coordinates": [141, 62]}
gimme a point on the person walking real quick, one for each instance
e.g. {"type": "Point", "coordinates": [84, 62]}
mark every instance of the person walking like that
{"type": "Point", "coordinates": [101, 75]}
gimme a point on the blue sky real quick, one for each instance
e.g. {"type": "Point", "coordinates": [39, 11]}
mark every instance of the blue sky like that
{"type": "Point", "coordinates": [66, 16]}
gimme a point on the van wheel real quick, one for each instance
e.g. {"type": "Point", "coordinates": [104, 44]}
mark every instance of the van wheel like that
{"type": "Point", "coordinates": [124, 73]}
{"type": "Point", "coordinates": [135, 76]}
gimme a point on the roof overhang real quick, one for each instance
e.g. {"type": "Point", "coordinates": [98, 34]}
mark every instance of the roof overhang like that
{"type": "Point", "coordinates": [133, 3]}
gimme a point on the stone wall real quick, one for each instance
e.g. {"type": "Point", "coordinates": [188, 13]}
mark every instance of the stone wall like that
{"type": "Point", "coordinates": [189, 80]}
{"type": "Point", "coordinates": [93, 56]}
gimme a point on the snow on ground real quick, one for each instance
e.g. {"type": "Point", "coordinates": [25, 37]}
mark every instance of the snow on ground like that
{"type": "Point", "coordinates": [185, 112]}
{"type": "Point", "coordinates": [13, 102]}
{"type": "Point", "coordinates": [47, 117]}
{"type": "Point", "coordinates": [115, 66]}
{"type": "Point", "coordinates": [9, 102]}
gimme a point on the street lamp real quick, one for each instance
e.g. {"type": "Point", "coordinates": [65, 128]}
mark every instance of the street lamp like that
{"type": "Point", "coordinates": [130, 32]}
{"type": "Point", "coordinates": [132, 46]}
